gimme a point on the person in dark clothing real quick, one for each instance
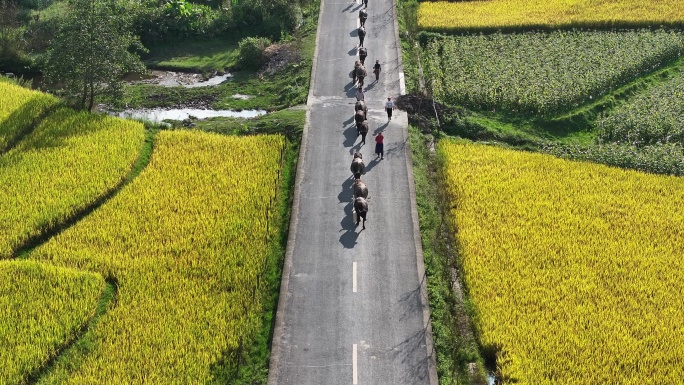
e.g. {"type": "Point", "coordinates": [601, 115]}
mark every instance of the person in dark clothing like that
{"type": "Point", "coordinates": [363, 15]}
{"type": "Point", "coordinates": [365, 3]}
{"type": "Point", "coordinates": [363, 53]}
{"type": "Point", "coordinates": [376, 70]}
{"type": "Point", "coordinates": [362, 35]}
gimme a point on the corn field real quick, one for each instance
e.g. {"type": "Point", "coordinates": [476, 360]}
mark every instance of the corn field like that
{"type": "Point", "coordinates": [444, 16]}
{"type": "Point", "coordinates": [186, 241]}
{"type": "Point", "coordinates": [65, 164]}
{"type": "Point", "coordinates": [18, 107]}
{"type": "Point", "coordinates": [41, 308]}
{"type": "Point", "coordinates": [652, 117]}
{"type": "Point", "coordinates": [575, 269]}
{"type": "Point", "coordinates": [543, 73]}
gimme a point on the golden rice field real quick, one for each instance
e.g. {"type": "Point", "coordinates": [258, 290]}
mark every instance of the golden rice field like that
{"type": "Point", "coordinates": [186, 242]}
{"type": "Point", "coordinates": [575, 269]}
{"type": "Point", "coordinates": [529, 14]}
{"type": "Point", "coordinates": [18, 107]}
{"type": "Point", "coordinates": [68, 162]}
{"type": "Point", "coordinates": [42, 307]}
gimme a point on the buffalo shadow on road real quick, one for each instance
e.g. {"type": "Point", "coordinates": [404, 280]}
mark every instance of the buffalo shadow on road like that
{"type": "Point", "coordinates": [349, 234]}
{"type": "Point", "coordinates": [349, 135]}
{"type": "Point", "coordinates": [347, 193]}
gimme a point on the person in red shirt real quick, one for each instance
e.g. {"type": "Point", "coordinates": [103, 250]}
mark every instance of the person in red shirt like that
{"type": "Point", "coordinates": [379, 146]}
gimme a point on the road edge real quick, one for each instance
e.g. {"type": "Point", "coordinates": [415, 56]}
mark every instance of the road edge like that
{"type": "Point", "coordinates": [420, 262]}
{"type": "Point", "coordinates": [274, 360]}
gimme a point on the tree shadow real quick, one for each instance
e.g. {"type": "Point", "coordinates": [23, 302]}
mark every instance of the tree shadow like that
{"type": "Point", "coordinates": [15, 127]}
{"type": "Point", "coordinates": [399, 148]}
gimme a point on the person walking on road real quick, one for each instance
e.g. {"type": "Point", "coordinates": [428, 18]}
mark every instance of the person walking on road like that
{"type": "Point", "coordinates": [380, 146]}
{"type": "Point", "coordinates": [389, 107]}
{"type": "Point", "coordinates": [365, 3]}
{"type": "Point", "coordinates": [362, 35]}
{"type": "Point", "coordinates": [363, 16]}
{"type": "Point", "coordinates": [359, 94]}
{"type": "Point", "coordinates": [363, 53]}
{"type": "Point", "coordinates": [376, 70]}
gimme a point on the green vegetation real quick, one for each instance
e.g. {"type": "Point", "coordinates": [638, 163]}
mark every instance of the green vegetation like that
{"type": "Point", "coordinates": [289, 122]}
{"type": "Point", "coordinates": [543, 73]}
{"type": "Point", "coordinates": [91, 52]}
{"type": "Point", "coordinates": [198, 55]}
{"type": "Point", "coordinates": [654, 116]}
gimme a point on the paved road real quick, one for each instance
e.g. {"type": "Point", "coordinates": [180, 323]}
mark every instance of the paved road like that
{"type": "Point", "coordinates": [353, 307]}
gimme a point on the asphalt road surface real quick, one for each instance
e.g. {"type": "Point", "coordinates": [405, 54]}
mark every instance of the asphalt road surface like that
{"type": "Point", "coordinates": [353, 306]}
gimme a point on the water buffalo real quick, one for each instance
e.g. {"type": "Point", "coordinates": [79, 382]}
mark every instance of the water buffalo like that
{"type": "Point", "coordinates": [357, 65]}
{"type": "Point", "coordinates": [361, 74]}
{"type": "Point", "coordinates": [363, 54]}
{"type": "Point", "coordinates": [359, 117]}
{"type": "Point", "coordinates": [358, 168]}
{"type": "Point", "coordinates": [361, 209]}
{"type": "Point", "coordinates": [361, 106]}
{"type": "Point", "coordinates": [362, 129]}
{"type": "Point", "coordinates": [360, 189]}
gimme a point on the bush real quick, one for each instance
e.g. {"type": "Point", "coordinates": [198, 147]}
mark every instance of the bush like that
{"type": "Point", "coordinates": [273, 18]}
{"type": "Point", "coordinates": [252, 52]}
{"type": "Point", "coordinates": [180, 19]}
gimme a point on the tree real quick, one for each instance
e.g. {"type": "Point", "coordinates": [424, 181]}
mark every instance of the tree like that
{"type": "Point", "coordinates": [92, 51]}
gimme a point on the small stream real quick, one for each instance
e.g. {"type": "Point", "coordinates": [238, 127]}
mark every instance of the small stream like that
{"type": "Point", "coordinates": [159, 114]}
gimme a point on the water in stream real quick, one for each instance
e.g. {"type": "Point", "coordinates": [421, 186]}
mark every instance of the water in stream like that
{"type": "Point", "coordinates": [159, 114]}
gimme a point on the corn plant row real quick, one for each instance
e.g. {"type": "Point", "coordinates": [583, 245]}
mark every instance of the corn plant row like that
{"type": "Point", "coordinates": [65, 164]}
{"type": "Point", "coordinates": [574, 269]}
{"type": "Point", "coordinates": [18, 108]}
{"type": "Point", "coordinates": [443, 16]}
{"type": "Point", "coordinates": [41, 308]}
{"type": "Point", "coordinates": [655, 116]}
{"type": "Point", "coordinates": [543, 73]}
{"type": "Point", "coordinates": [186, 241]}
